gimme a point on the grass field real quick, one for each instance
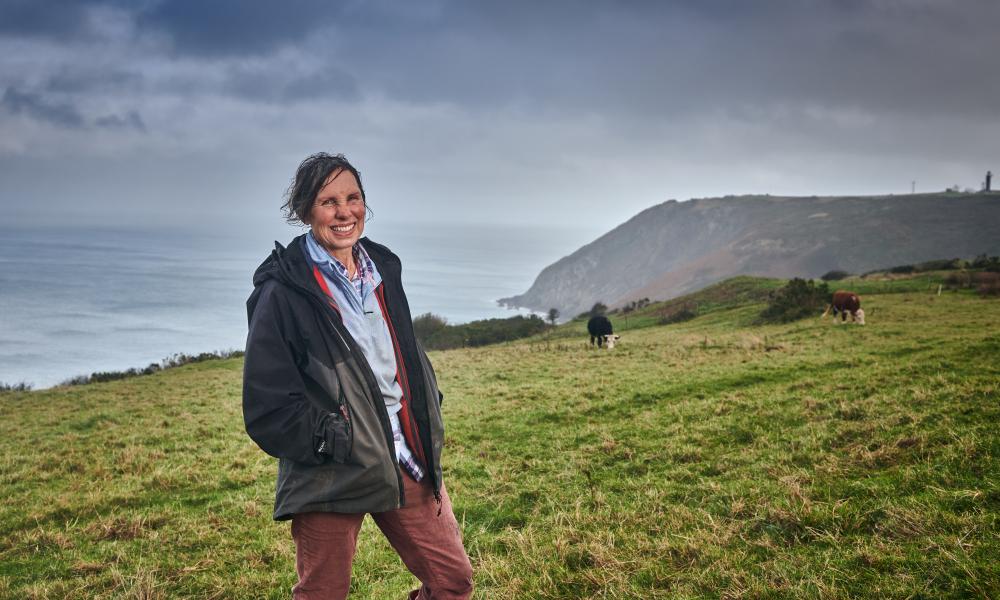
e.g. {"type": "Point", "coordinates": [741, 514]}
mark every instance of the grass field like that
{"type": "Point", "coordinates": [709, 458]}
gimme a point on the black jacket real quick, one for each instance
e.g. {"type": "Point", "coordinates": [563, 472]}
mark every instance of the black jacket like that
{"type": "Point", "coordinates": [310, 398]}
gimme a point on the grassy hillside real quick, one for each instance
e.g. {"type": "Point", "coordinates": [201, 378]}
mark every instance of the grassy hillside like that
{"type": "Point", "coordinates": [702, 459]}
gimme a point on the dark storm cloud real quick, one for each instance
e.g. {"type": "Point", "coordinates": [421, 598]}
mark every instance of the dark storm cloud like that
{"type": "Point", "coordinates": [58, 18]}
{"type": "Point", "coordinates": [37, 107]}
{"type": "Point", "coordinates": [811, 96]}
{"type": "Point", "coordinates": [654, 59]}
{"type": "Point", "coordinates": [225, 27]}
{"type": "Point", "coordinates": [53, 19]}
{"type": "Point", "coordinates": [631, 58]}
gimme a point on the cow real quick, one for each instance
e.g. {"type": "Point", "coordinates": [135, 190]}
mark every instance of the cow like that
{"type": "Point", "coordinates": [599, 328]}
{"type": "Point", "coordinates": [845, 303]}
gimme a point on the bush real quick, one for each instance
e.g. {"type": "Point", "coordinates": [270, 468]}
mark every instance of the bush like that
{"type": "Point", "coordinates": [796, 300]}
{"type": "Point", "coordinates": [679, 315]}
{"type": "Point", "coordinates": [476, 333]}
{"type": "Point", "coordinates": [987, 283]}
{"type": "Point", "coordinates": [903, 269]}
{"type": "Point", "coordinates": [598, 309]}
{"type": "Point", "coordinates": [427, 325]}
{"type": "Point", "coordinates": [989, 263]}
{"type": "Point", "coordinates": [835, 275]}
{"type": "Point", "coordinates": [958, 280]}
{"type": "Point", "coordinates": [15, 387]}
{"type": "Point", "coordinates": [634, 306]}
{"type": "Point", "coordinates": [170, 362]}
{"type": "Point", "coordinates": [944, 264]}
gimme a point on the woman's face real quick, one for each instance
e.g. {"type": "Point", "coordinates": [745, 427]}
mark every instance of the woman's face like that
{"type": "Point", "coordinates": [338, 215]}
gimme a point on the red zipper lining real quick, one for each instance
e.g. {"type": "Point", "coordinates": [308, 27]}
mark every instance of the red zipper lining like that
{"type": "Point", "coordinates": [406, 421]}
{"type": "Point", "coordinates": [326, 289]}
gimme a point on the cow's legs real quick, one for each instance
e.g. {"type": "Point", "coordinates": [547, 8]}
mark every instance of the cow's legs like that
{"type": "Point", "coordinates": [592, 338]}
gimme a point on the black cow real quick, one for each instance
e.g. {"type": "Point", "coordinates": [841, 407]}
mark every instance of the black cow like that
{"type": "Point", "coordinates": [599, 328]}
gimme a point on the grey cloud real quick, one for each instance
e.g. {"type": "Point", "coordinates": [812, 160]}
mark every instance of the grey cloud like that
{"type": "Point", "coordinates": [625, 58]}
{"type": "Point", "coordinates": [48, 19]}
{"type": "Point", "coordinates": [275, 83]}
{"type": "Point", "coordinates": [52, 19]}
{"type": "Point", "coordinates": [236, 27]}
{"type": "Point", "coordinates": [130, 120]}
{"type": "Point", "coordinates": [33, 105]}
{"type": "Point", "coordinates": [84, 80]}
{"type": "Point", "coordinates": [806, 96]}
{"type": "Point", "coordinates": [330, 82]}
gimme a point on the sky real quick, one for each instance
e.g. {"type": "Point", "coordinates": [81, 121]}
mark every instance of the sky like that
{"type": "Point", "coordinates": [194, 113]}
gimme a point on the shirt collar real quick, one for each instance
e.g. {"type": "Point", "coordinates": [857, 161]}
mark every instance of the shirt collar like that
{"type": "Point", "coordinates": [331, 266]}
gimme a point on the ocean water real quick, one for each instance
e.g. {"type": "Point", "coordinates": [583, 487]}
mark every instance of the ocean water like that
{"type": "Point", "coordinates": [81, 300]}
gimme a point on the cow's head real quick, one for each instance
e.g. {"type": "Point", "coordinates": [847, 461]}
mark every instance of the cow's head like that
{"type": "Point", "coordinates": [611, 339]}
{"type": "Point", "coordinates": [859, 316]}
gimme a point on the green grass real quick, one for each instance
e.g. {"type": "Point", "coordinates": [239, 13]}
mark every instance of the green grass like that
{"type": "Point", "coordinates": [704, 459]}
{"type": "Point", "coordinates": [731, 293]}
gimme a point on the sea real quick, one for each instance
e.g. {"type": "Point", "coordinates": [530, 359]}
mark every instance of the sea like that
{"type": "Point", "coordinates": [89, 299]}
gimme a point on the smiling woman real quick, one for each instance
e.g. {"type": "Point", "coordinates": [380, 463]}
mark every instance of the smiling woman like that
{"type": "Point", "coordinates": [336, 211]}
{"type": "Point", "coordinates": [337, 388]}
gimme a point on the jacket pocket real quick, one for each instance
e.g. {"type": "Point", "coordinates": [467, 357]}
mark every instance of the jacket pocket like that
{"type": "Point", "coordinates": [333, 436]}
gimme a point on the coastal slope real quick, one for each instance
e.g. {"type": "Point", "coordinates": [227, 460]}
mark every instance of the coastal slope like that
{"type": "Point", "coordinates": [677, 247]}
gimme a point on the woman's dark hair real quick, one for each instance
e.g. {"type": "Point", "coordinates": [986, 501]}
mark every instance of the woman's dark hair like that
{"type": "Point", "coordinates": [309, 179]}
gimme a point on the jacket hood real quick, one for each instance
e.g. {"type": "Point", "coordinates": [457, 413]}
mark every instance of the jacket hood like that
{"type": "Point", "coordinates": [284, 264]}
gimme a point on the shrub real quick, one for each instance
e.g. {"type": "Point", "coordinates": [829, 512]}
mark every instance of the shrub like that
{"type": "Point", "coordinates": [679, 314]}
{"type": "Point", "coordinates": [903, 269]}
{"type": "Point", "coordinates": [958, 280]}
{"type": "Point", "coordinates": [15, 387]}
{"type": "Point", "coordinates": [835, 275]}
{"type": "Point", "coordinates": [634, 305]}
{"type": "Point", "coordinates": [170, 362]}
{"type": "Point", "coordinates": [987, 283]}
{"type": "Point", "coordinates": [944, 264]}
{"type": "Point", "coordinates": [797, 299]}
{"type": "Point", "coordinates": [481, 333]}
{"type": "Point", "coordinates": [427, 325]}
{"type": "Point", "coordinates": [989, 263]}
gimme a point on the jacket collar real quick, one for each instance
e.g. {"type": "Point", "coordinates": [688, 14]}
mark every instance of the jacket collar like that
{"type": "Point", "coordinates": [292, 267]}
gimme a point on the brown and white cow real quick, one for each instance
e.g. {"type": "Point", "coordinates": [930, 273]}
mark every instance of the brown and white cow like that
{"type": "Point", "coordinates": [845, 303]}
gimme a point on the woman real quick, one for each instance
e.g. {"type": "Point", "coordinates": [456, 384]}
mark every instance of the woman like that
{"type": "Point", "coordinates": [336, 387]}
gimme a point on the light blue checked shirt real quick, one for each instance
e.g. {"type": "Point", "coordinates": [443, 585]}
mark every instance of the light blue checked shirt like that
{"type": "Point", "coordinates": [362, 315]}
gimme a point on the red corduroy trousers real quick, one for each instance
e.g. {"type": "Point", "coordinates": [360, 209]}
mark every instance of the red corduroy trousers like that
{"type": "Point", "coordinates": [429, 543]}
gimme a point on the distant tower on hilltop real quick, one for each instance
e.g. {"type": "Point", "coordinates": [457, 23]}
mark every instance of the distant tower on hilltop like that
{"type": "Point", "coordinates": [989, 177]}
